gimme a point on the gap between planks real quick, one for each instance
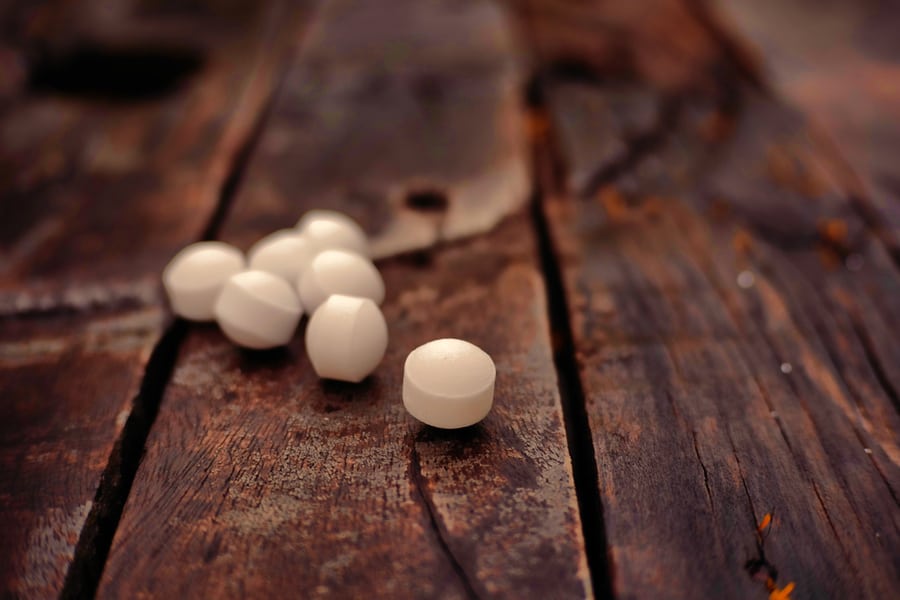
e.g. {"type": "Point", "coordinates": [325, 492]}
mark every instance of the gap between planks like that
{"type": "Point", "coordinates": [94, 543]}
{"type": "Point", "coordinates": [92, 549]}
{"type": "Point", "coordinates": [545, 165]}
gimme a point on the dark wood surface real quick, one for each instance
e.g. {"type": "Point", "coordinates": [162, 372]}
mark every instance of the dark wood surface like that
{"type": "Point", "coordinates": [672, 223]}
{"type": "Point", "coordinates": [331, 489]}
{"type": "Point", "coordinates": [97, 196]}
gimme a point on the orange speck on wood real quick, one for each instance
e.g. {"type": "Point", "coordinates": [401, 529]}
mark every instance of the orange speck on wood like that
{"type": "Point", "coordinates": [653, 207]}
{"type": "Point", "coordinates": [716, 127]}
{"type": "Point", "coordinates": [719, 209]}
{"type": "Point", "coordinates": [766, 521]}
{"type": "Point", "coordinates": [537, 124]}
{"type": "Point", "coordinates": [742, 242]}
{"type": "Point", "coordinates": [788, 168]}
{"type": "Point", "coordinates": [830, 259]}
{"type": "Point", "coordinates": [781, 166]}
{"type": "Point", "coordinates": [783, 593]}
{"type": "Point", "coordinates": [834, 231]}
{"type": "Point", "coordinates": [613, 202]}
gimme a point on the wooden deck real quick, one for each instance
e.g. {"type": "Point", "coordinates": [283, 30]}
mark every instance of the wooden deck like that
{"type": "Point", "coordinates": [674, 224]}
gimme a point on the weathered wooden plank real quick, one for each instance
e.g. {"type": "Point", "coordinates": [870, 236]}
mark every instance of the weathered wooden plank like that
{"type": "Point", "coordinates": [724, 380]}
{"type": "Point", "coordinates": [841, 65]}
{"type": "Point", "coordinates": [67, 384]}
{"type": "Point", "coordinates": [661, 40]}
{"type": "Point", "coordinates": [379, 118]}
{"type": "Point", "coordinates": [260, 479]}
{"type": "Point", "coordinates": [97, 195]}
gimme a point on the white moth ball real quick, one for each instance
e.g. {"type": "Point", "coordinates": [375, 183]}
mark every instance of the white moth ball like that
{"type": "Point", "coordinates": [285, 253]}
{"type": "Point", "coordinates": [448, 383]}
{"type": "Point", "coordinates": [339, 272]}
{"type": "Point", "coordinates": [196, 275]}
{"type": "Point", "coordinates": [258, 310]}
{"type": "Point", "coordinates": [346, 338]}
{"type": "Point", "coordinates": [328, 229]}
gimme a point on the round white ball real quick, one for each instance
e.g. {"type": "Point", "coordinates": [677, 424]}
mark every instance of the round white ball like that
{"type": "Point", "coordinates": [448, 383]}
{"type": "Point", "coordinates": [346, 338]}
{"type": "Point", "coordinates": [285, 253]}
{"type": "Point", "coordinates": [196, 275]}
{"type": "Point", "coordinates": [258, 310]}
{"type": "Point", "coordinates": [329, 229]}
{"type": "Point", "coordinates": [339, 272]}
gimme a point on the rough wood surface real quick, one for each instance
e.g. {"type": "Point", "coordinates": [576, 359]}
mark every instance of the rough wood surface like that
{"type": "Point", "coordinates": [261, 480]}
{"type": "Point", "coordinates": [67, 384]}
{"type": "Point", "coordinates": [97, 194]}
{"type": "Point", "coordinates": [695, 327]}
{"type": "Point", "coordinates": [728, 309]}
{"type": "Point", "coordinates": [387, 116]}
{"type": "Point", "coordinates": [841, 66]}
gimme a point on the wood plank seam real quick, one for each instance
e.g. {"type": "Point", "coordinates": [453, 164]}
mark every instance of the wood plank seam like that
{"type": "Point", "coordinates": [95, 540]}
{"type": "Point", "coordinates": [326, 503]}
{"type": "Point", "coordinates": [571, 392]}
{"type": "Point", "coordinates": [816, 476]}
{"type": "Point", "coordinates": [99, 528]}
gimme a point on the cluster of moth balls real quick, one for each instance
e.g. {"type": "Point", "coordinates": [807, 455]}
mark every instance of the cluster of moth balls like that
{"type": "Point", "coordinates": [322, 267]}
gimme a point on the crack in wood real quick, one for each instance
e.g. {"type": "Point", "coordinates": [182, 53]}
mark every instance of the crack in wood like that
{"type": "Point", "coordinates": [834, 530]}
{"type": "Point", "coordinates": [684, 422]}
{"type": "Point", "coordinates": [636, 148]}
{"type": "Point", "coordinates": [874, 361]}
{"type": "Point", "coordinates": [759, 562]}
{"type": "Point", "coordinates": [415, 470]}
{"type": "Point", "coordinates": [735, 53]}
{"type": "Point", "coordinates": [578, 431]}
{"type": "Point", "coordinates": [95, 540]}
{"type": "Point", "coordinates": [705, 472]}
{"type": "Point", "coordinates": [885, 383]}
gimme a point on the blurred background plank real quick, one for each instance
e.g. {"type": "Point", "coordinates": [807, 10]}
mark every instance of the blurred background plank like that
{"type": "Point", "coordinates": [389, 117]}
{"type": "Point", "coordinates": [98, 192]}
{"type": "Point", "coordinates": [261, 480]}
{"type": "Point", "coordinates": [840, 64]}
{"type": "Point", "coordinates": [67, 383]}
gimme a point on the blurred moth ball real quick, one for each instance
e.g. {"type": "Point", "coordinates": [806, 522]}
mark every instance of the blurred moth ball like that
{"type": "Point", "coordinates": [258, 310]}
{"type": "Point", "coordinates": [448, 383]}
{"type": "Point", "coordinates": [329, 229]}
{"type": "Point", "coordinates": [286, 253]}
{"type": "Point", "coordinates": [339, 272]}
{"type": "Point", "coordinates": [346, 338]}
{"type": "Point", "coordinates": [196, 275]}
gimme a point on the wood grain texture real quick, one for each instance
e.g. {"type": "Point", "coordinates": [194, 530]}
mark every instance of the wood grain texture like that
{"type": "Point", "coordinates": [261, 480]}
{"type": "Point", "coordinates": [97, 196]}
{"type": "Point", "coordinates": [659, 41]}
{"type": "Point", "coordinates": [67, 385]}
{"type": "Point", "coordinates": [387, 116]}
{"type": "Point", "coordinates": [725, 299]}
{"type": "Point", "coordinates": [841, 66]}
